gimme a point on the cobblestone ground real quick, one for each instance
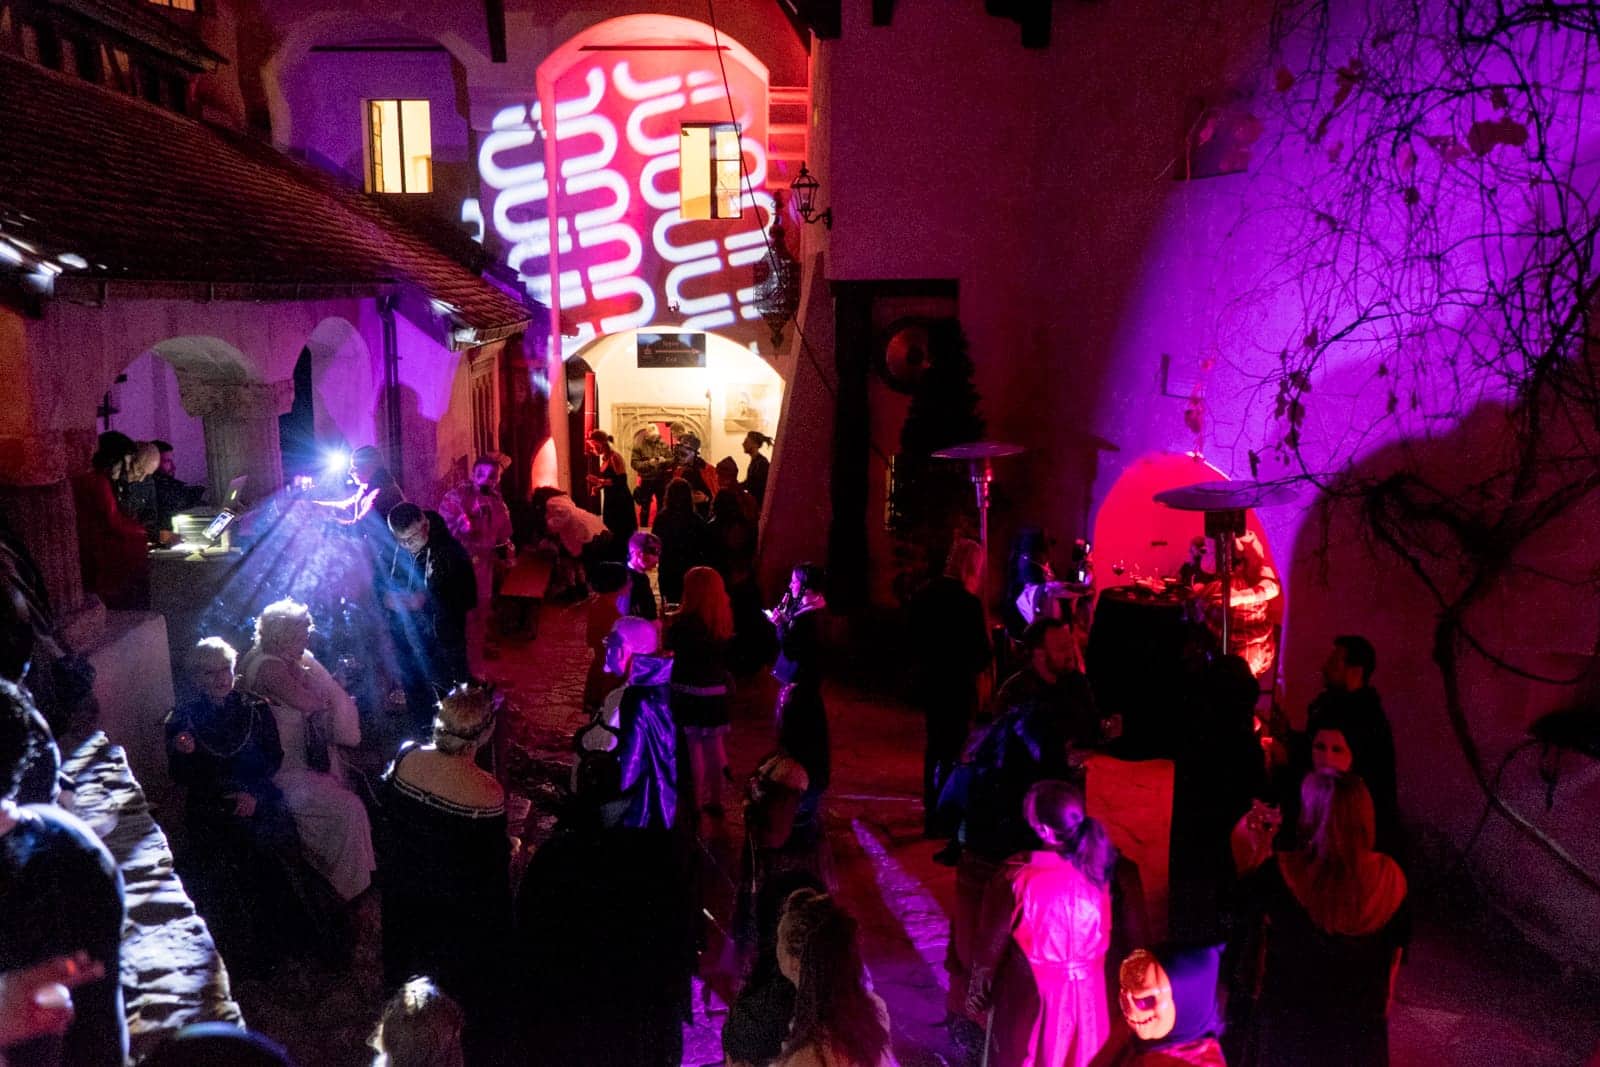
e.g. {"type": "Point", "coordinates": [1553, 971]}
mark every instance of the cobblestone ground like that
{"type": "Point", "coordinates": [1462, 1000]}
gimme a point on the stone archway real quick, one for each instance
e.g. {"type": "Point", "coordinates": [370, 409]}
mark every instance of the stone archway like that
{"type": "Point", "coordinates": [1147, 538]}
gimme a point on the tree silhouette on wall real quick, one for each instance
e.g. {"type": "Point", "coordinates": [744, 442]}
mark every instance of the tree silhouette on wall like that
{"type": "Point", "coordinates": [1429, 177]}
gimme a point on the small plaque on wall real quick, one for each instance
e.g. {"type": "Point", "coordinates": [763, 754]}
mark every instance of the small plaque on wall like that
{"type": "Point", "coordinates": [665, 351]}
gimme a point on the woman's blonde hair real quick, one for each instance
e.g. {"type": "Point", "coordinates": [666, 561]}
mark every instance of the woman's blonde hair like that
{"type": "Point", "coordinates": [706, 598]}
{"type": "Point", "coordinates": [463, 718]}
{"type": "Point", "coordinates": [1337, 826]}
{"type": "Point", "coordinates": [211, 648]}
{"type": "Point", "coordinates": [279, 619]}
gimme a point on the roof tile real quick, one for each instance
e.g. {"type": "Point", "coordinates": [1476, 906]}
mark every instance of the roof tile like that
{"type": "Point", "coordinates": [146, 195]}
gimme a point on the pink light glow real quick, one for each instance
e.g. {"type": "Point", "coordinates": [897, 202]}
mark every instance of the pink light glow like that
{"type": "Point", "coordinates": [624, 254]}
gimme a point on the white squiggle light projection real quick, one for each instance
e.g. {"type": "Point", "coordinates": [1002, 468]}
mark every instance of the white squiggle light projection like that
{"type": "Point", "coordinates": [626, 252]}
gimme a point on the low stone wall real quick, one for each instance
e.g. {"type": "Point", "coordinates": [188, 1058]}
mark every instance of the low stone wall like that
{"type": "Point", "coordinates": [133, 689]}
{"type": "Point", "coordinates": [171, 972]}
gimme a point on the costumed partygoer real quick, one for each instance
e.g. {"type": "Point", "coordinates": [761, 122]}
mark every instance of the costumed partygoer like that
{"type": "Point", "coordinates": [477, 517]}
{"type": "Point", "coordinates": [433, 589]}
{"type": "Point", "coordinates": [838, 1020]}
{"type": "Point", "coordinates": [607, 924]}
{"type": "Point", "coordinates": [697, 635]}
{"type": "Point", "coordinates": [950, 644]}
{"type": "Point", "coordinates": [1253, 595]}
{"type": "Point", "coordinates": [1027, 565]}
{"type": "Point", "coordinates": [756, 473]}
{"type": "Point", "coordinates": [1349, 707]}
{"type": "Point", "coordinates": [164, 496]}
{"type": "Point", "coordinates": [112, 546]}
{"type": "Point", "coordinates": [683, 539]}
{"type": "Point", "coordinates": [314, 718]}
{"type": "Point", "coordinates": [610, 482]}
{"type": "Point", "coordinates": [612, 895]}
{"type": "Point", "coordinates": [651, 459]}
{"type": "Point", "coordinates": [444, 842]}
{"type": "Point", "coordinates": [376, 493]}
{"type": "Point", "coordinates": [802, 719]}
{"type": "Point", "coordinates": [1335, 919]}
{"type": "Point", "coordinates": [636, 597]}
{"type": "Point", "coordinates": [244, 863]}
{"type": "Point", "coordinates": [632, 742]}
{"type": "Point", "coordinates": [758, 1021]}
{"type": "Point", "coordinates": [1039, 957]}
{"type": "Point", "coordinates": [692, 468]}
{"type": "Point", "coordinates": [1169, 1005]}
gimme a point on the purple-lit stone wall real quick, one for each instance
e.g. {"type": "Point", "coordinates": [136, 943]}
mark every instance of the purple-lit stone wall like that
{"type": "Point", "coordinates": [1042, 182]}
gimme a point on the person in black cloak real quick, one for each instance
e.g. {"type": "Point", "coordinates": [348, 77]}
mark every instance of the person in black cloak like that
{"type": "Point", "coordinates": [758, 1022]}
{"type": "Point", "coordinates": [950, 647]}
{"type": "Point", "coordinates": [1219, 769]}
{"type": "Point", "coordinates": [607, 920]}
{"type": "Point", "coordinates": [633, 736]}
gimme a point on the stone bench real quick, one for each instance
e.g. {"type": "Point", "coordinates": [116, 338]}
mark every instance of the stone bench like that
{"type": "Point", "coordinates": [171, 972]}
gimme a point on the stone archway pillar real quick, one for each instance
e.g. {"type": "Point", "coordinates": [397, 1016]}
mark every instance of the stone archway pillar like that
{"type": "Point", "coordinates": [241, 428]}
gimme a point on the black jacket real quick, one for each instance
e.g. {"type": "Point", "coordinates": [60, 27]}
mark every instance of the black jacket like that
{"type": "Point", "coordinates": [444, 571]}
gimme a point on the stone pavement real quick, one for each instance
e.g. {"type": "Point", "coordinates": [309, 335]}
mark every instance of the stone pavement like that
{"type": "Point", "coordinates": [1465, 997]}
{"type": "Point", "coordinates": [1468, 994]}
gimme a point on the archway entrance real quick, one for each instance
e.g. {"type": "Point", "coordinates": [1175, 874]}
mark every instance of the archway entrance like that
{"type": "Point", "coordinates": [1135, 537]}
{"type": "Point", "coordinates": [718, 391]}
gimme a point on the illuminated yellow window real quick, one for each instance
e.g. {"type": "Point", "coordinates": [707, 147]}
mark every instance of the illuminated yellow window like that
{"type": "Point", "coordinates": [709, 178]}
{"type": "Point", "coordinates": [178, 5]}
{"type": "Point", "coordinates": [399, 147]}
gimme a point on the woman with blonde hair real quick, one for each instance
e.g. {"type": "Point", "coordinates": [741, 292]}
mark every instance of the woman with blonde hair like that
{"type": "Point", "coordinates": [697, 635]}
{"type": "Point", "coordinates": [314, 717]}
{"type": "Point", "coordinates": [1335, 918]}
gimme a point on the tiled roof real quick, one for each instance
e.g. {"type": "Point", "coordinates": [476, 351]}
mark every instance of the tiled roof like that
{"type": "Point", "coordinates": [88, 176]}
{"type": "Point", "coordinates": [138, 21]}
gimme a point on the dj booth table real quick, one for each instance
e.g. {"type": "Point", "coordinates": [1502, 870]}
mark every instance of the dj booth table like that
{"type": "Point", "coordinates": [184, 584]}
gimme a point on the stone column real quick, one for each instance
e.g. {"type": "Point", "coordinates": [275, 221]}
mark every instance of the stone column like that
{"type": "Point", "coordinates": [241, 426]}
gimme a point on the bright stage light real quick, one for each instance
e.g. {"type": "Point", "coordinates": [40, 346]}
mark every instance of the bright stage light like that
{"type": "Point", "coordinates": [336, 461]}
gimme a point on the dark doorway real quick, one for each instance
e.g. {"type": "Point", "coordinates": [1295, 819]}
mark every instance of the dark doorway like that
{"type": "Point", "coordinates": [297, 431]}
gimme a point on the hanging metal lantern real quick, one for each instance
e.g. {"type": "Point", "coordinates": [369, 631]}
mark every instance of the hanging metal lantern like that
{"type": "Point", "coordinates": [777, 281]}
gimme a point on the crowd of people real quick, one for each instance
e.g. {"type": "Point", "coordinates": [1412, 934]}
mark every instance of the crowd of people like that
{"type": "Point", "coordinates": [1289, 876]}
{"type": "Point", "coordinates": [1286, 868]}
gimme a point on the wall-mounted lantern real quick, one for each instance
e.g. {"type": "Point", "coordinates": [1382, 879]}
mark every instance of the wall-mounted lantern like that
{"type": "Point", "coordinates": [805, 188]}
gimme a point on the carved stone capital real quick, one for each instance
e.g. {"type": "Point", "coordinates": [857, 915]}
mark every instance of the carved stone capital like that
{"type": "Point", "coordinates": [208, 397]}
